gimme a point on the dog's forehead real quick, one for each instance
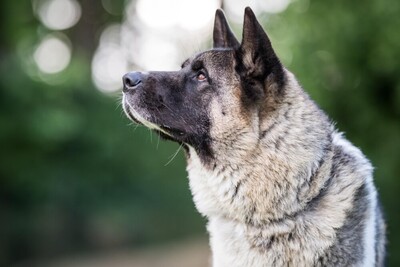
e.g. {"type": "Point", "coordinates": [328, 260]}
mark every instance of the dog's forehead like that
{"type": "Point", "coordinates": [213, 57]}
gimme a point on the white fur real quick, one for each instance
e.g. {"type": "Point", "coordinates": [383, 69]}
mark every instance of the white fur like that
{"type": "Point", "coordinates": [369, 231]}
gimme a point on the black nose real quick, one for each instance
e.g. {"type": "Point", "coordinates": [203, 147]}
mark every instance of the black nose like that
{"type": "Point", "coordinates": [131, 80]}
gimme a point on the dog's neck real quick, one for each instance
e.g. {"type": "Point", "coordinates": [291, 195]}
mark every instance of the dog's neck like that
{"type": "Point", "coordinates": [263, 189]}
{"type": "Point", "coordinates": [269, 172]}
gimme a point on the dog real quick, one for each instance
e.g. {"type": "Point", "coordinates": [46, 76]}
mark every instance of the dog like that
{"type": "Point", "coordinates": [279, 185]}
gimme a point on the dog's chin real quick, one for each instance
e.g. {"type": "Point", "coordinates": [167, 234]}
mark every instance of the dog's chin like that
{"type": "Point", "coordinates": [129, 114]}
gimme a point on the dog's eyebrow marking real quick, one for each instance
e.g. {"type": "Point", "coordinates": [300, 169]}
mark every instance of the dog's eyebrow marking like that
{"type": "Point", "coordinates": [197, 65]}
{"type": "Point", "coordinates": [185, 63]}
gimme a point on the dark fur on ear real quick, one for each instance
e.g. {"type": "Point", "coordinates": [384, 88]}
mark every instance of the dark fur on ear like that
{"type": "Point", "coordinates": [223, 36]}
{"type": "Point", "coordinates": [257, 59]}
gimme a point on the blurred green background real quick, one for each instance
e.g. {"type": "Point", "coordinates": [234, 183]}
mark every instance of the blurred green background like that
{"type": "Point", "coordinates": [76, 177]}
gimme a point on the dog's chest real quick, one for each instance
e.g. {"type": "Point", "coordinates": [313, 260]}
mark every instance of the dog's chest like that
{"type": "Point", "coordinates": [233, 244]}
{"type": "Point", "coordinates": [234, 241]}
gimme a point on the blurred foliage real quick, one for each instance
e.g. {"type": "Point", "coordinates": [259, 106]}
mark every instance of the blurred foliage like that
{"type": "Point", "coordinates": [74, 177]}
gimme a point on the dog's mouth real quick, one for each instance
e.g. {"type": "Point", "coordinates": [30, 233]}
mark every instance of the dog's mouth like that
{"type": "Point", "coordinates": [163, 130]}
{"type": "Point", "coordinates": [173, 131]}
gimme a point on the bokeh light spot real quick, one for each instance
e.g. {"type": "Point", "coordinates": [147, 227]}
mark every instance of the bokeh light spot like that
{"type": "Point", "coordinates": [109, 62]}
{"type": "Point", "coordinates": [59, 14]}
{"type": "Point", "coordinates": [188, 14]}
{"type": "Point", "coordinates": [108, 67]}
{"type": "Point", "coordinates": [52, 55]}
{"type": "Point", "coordinates": [158, 54]}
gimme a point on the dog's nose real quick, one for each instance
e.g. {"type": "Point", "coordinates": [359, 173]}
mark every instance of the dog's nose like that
{"type": "Point", "coordinates": [131, 80]}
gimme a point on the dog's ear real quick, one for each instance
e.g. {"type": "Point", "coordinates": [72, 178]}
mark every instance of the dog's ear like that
{"type": "Point", "coordinates": [223, 36]}
{"type": "Point", "coordinates": [256, 56]}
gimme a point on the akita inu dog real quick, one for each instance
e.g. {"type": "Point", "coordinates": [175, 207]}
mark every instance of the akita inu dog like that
{"type": "Point", "coordinates": [277, 183]}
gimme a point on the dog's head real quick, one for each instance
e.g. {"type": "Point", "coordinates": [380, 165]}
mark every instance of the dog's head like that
{"type": "Point", "coordinates": [218, 96]}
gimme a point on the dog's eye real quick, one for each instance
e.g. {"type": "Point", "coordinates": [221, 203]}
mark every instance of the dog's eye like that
{"type": "Point", "coordinates": [201, 76]}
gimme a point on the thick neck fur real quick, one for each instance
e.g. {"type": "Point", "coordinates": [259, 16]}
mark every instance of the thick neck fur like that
{"type": "Point", "coordinates": [271, 169]}
{"type": "Point", "coordinates": [269, 182]}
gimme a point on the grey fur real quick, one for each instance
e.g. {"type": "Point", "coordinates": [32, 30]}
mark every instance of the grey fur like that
{"type": "Point", "coordinates": [277, 182]}
{"type": "Point", "coordinates": [347, 249]}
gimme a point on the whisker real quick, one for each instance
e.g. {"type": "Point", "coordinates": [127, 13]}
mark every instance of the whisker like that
{"type": "Point", "coordinates": [174, 156]}
{"type": "Point", "coordinates": [151, 135]}
{"type": "Point", "coordinates": [158, 141]}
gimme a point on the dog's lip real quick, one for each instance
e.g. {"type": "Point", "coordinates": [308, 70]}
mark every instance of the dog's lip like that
{"type": "Point", "coordinates": [172, 131]}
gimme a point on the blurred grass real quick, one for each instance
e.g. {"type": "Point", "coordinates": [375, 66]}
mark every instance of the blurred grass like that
{"type": "Point", "coordinates": [194, 253]}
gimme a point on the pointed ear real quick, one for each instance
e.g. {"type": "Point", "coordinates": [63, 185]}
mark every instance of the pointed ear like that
{"type": "Point", "coordinates": [256, 54]}
{"type": "Point", "coordinates": [223, 36]}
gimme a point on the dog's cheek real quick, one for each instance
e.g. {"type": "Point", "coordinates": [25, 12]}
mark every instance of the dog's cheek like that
{"type": "Point", "coordinates": [225, 117]}
{"type": "Point", "coordinates": [217, 114]}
